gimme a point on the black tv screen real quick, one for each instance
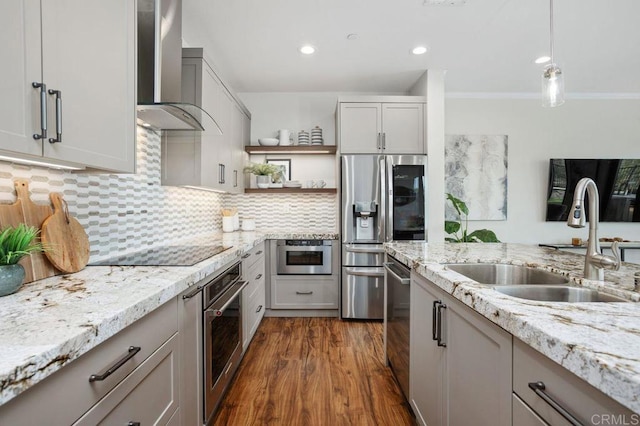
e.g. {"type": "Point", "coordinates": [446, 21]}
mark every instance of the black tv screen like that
{"type": "Point", "coordinates": [618, 182]}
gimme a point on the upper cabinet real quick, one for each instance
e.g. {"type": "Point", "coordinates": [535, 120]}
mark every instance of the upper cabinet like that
{"type": "Point", "coordinates": [68, 82]}
{"type": "Point", "coordinates": [382, 127]}
{"type": "Point", "coordinates": [213, 158]}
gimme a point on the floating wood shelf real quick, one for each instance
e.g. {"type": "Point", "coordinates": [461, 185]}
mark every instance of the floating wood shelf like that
{"type": "Point", "coordinates": [291, 149]}
{"type": "Point", "coordinates": [291, 191]}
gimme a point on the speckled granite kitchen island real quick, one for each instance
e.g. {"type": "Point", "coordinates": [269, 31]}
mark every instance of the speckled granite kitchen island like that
{"type": "Point", "coordinates": [51, 322]}
{"type": "Point", "coordinates": [599, 342]}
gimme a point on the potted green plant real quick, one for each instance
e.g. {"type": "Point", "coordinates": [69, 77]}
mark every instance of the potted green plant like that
{"type": "Point", "coordinates": [15, 243]}
{"type": "Point", "coordinates": [458, 230]}
{"type": "Point", "coordinates": [263, 172]}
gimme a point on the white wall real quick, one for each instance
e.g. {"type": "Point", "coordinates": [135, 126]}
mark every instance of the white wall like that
{"type": "Point", "coordinates": [577, 129]}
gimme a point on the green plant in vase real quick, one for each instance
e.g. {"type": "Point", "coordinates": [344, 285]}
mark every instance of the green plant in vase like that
{"type": "Point", "coordinates": [459, 229]}
{"type": "Point", "coordinates": [263, 172]}
{"type": "Point", "coordinates": [15, 243]}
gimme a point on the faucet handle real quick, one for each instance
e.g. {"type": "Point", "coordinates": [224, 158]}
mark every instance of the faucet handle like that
{"type": "Point", "coordinates": [616, 255]}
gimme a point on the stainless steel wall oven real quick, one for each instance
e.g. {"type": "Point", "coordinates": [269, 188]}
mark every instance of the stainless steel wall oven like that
{"type": "Point", "coordinates": [222, 325]}
{"type": "Point", "coordinates": [304, 257]}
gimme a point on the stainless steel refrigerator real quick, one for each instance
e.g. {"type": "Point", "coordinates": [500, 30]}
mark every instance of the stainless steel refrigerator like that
{"type": "Point", "coordinates": [383, 199]}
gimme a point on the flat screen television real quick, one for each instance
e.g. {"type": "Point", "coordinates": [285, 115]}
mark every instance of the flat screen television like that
{"type": "Point", "coordinates": [618, 182]}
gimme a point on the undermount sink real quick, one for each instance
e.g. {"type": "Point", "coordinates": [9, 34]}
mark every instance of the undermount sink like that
{"type": "Point", "coordinates": [504, 274]}
{"type": "Point", "coordinates": [557, 294]}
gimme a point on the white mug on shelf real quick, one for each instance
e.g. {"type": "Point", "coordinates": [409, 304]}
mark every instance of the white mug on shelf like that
{"type": "Point", "coordinates": [284, 137]}
{"type": "Point", "coordinates": [321, 184]}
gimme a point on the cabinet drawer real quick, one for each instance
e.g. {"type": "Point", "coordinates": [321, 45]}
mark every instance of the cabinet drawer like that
{"type": "Point", "coordinates": [576, 396]}
{"type": "Point", "coordinates": [255, 276]}
{"type": "Point", "coordinates": [523, 415]}
{"type": "Point", "coordinates": [252, 256]}
{"type": "Point", "coordinates": [297, 293]}
{"type": "Point", "coordinates": [254, 308]}
{"type": "Point", "coordinates": [56, 407]}
{"type": "Point", "coordinates": [149, 395]}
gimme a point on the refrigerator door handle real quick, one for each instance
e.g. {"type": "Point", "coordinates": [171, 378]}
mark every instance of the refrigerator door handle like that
{"type": "Point", "coordinates": [364, 250]}
{"type": "Point", "coordinates": [389, 197]}
{"type": "Point", "coordinates": [383, 199]}
{"type": "Point", "coordinates": [364, 273]}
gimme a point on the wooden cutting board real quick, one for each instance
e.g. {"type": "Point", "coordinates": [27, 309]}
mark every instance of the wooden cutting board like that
{"type": "Point", "coordinates": [36, 266]}
{"type": "Point", "coordinates": [68, 242]}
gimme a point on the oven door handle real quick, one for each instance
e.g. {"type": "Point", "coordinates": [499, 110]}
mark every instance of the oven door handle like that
{"type": "Point", "coordinates": [216, 310]}
{"type": "Point", "coordinates": [365, 273]}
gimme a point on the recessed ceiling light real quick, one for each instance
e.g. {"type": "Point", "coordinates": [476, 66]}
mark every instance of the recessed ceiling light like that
{"type": "Point", "coordinates": [307, 49]}
{"type": "Point", "coordinates": [542, 60]}
{"type": "Point", "coordinates": [419, 50]}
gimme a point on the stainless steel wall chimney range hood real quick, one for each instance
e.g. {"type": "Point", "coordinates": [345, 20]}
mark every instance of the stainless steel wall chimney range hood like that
{"type": "Point", "coordinates": [160, 103]}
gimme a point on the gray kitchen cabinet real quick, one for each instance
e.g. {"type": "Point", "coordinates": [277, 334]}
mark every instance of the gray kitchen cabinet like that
{"type": "Point", "coordinates": [253, 295]}
{"type": "Point", "coordinates": [523, 415]}
{"type": "Point", "coordinates": [84, 53]}
{"type": "Point", "coordinates": [149, 395]}
{"type": "Point", "coordinates": [381, 127]}
{"type": "Point", "coordinates": [580, 400]}
{"type": "Point", "coordinates": [454, 355]}
{"type": "Point", "coordinates": [66, 395]}
{"type": "Point", "coordinates": [206, 159]}
{"type": "Point", "coordinates": [191, 353]}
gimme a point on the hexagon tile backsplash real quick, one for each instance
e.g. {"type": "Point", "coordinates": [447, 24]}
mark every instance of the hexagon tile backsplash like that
{"type": "Point", "coordinates": [125, 212]}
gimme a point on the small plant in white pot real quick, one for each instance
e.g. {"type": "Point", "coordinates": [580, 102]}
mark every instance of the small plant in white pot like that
{"type": "Point", "coordinates": [263, 173]}
{"type": "Point", "coordinates": [15, 243]}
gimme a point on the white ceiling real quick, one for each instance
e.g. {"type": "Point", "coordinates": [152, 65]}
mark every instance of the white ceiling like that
{"type": "Point", "coordinates": [485, 45]}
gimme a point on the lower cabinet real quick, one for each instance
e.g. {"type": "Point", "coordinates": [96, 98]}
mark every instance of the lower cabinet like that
{"type": "Point", "coordinates": [538, 380]}
{"type": "Point", "coordinates": [114, 380]}
{"type": "Point", "coordinates": [253, 296]}
{"type": "Point", "coordinates": [149, 395]}
{"type": "Point", "coordinates": [461, 363]}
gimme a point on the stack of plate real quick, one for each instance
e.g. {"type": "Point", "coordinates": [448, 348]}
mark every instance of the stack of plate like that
{"type": "Point", "coordinates": [292, 184]}
{"type": "Point", "coordinates": [303, 138]}
{"type": "Point", "coordinates": [316, 136]}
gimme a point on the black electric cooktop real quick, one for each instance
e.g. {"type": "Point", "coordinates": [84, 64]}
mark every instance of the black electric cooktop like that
{"type": "Point", "coordinates": [165, 256]}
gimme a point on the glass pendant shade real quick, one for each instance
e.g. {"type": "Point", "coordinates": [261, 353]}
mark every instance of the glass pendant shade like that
{"type": "Point", "coordinates": [552, 86]}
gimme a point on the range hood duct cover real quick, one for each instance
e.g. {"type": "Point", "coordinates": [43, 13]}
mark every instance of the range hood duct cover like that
{"type": "Point", "coordinates": [160, 103]}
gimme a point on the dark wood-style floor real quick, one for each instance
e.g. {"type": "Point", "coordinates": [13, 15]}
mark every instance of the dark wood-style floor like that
{"type": "Point", "coordinates": [315, 372]}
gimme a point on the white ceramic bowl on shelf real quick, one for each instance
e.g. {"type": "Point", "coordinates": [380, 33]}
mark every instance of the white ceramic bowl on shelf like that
{"type": "Point", "coordinates": [268, 141]}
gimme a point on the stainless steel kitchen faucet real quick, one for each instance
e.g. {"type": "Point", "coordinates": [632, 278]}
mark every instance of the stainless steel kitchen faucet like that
{"type": "Point", "coordinates": [595, 262]}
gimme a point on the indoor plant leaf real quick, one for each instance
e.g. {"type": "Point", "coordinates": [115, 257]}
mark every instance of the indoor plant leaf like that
{"type": "Point", "coordinates": [484, 235]}
{"type": "Point", "coordinates": [451, 227]}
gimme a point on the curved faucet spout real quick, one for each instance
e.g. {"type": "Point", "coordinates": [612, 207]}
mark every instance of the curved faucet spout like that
{"type": "Point", "coordinates": [594, 261]}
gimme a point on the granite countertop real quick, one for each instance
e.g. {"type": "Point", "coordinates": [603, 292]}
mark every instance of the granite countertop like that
{"type": "Point", "coordinates": [50, 322]}
{"type": "Point", "coordinates": [598, 342]}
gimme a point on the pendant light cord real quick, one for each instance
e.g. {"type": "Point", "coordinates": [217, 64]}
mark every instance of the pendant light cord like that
{"type": "Point", "coordinates": [551, 29]}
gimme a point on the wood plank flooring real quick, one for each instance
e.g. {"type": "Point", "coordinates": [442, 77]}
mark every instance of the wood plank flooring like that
{"type": "Point", "coordinates": [315, 372]}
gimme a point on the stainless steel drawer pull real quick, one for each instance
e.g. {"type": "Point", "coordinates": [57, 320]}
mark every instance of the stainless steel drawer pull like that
{"type": "Point", "coordinates": [440, 308]}
{"type": "Point", "coordinates": [434, 320]}
{"type": "Point", "coordinates": [259, 309]}
{"type": "Point", "coordinates": [58, 94]}
{"type": "Point", "coordinates": [364, 273]}
{"type": "Point", "coordinates": [43, 110]}
{"type": "Point", "coordinates": [539, 389]}
{"type": "Point", "coordinates": [304, 292]}
{"type": "Point", "coordinates": [365, 250]}
{"type": "Point", "coordinates": [133, 424]}
{"type": "Point", "coordinates": [133, 350]}
{"type": "Point", "coordinates": [258, 276]}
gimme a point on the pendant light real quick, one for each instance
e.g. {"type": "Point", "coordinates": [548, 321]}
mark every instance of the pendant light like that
{"type": "Point", "coordinates": [552, 77]}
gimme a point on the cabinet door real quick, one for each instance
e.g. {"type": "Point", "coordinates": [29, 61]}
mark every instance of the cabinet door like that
{"type": "Point", "coordinates": [403, 128]}
{"type": "Point", "coordinates": [147, 396]}
{"type": "Point", "coordinates": [89, 55]}
{"type": "Point", "coordinates": [427, 359]}
{"type": "Point", "coordinates": [360, 128]}
{"type": "Point", "coordinates": [478, 368]}
{"type": "Point", "coordinates": [213, 156]}
{"type": "Point", "coordinates": [190, 337]}
{"type": "Point", "coordinates": [237, 150]}
{"type": "Point", "coordinates": [525, 416]}
{"type": "Point", "coordinates": [20, 53]}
